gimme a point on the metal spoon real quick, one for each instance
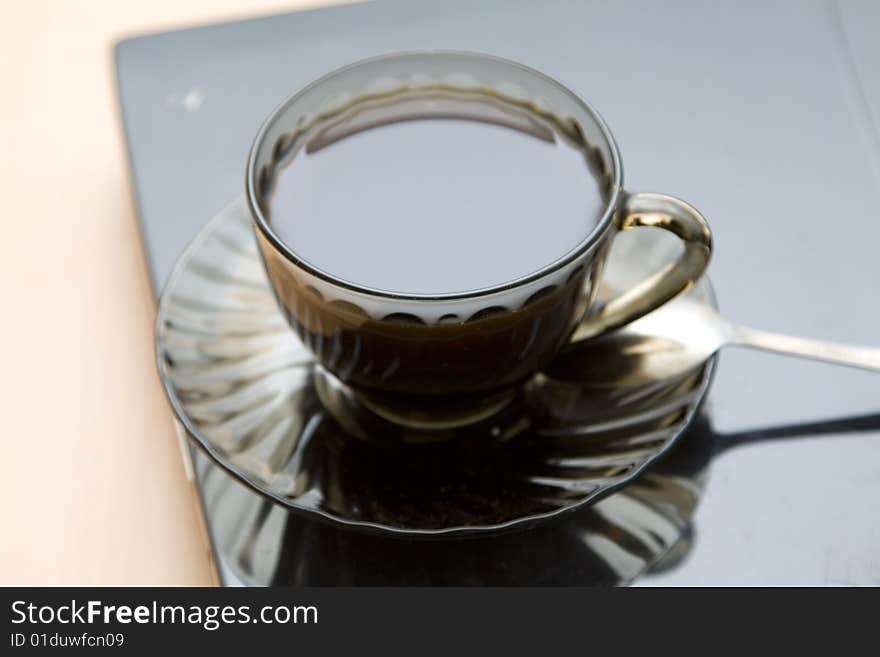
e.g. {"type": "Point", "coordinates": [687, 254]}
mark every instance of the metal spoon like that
{"type": "Point", "coordinates": [682, 335]}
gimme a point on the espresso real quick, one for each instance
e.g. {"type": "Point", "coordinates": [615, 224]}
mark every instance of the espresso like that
{"type": "Point", "coordinates": [435, 194]}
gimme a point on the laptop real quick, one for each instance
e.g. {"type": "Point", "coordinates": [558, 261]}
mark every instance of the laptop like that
{"type": "Point", "coordinates": [764, 115]}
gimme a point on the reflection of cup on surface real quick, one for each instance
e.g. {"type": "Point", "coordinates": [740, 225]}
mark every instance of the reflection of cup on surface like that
{"type": "Point", "coordinates": [507, 269]}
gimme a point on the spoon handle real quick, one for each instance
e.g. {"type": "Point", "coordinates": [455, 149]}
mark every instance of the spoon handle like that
{"type": "Point", "coordinates": [843, 354]}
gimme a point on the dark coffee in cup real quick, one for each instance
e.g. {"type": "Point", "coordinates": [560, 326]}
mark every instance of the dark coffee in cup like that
{"type": "Point", "coordinates": [436, 193]}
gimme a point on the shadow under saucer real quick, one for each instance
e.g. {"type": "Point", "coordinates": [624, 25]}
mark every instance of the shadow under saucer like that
{"type": "Point", "coordinates": [646, 527]}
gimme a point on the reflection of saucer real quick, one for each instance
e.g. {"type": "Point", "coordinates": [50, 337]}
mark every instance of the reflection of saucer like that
{"type": "Point", "coordinates": [644, 527]}
{"type": "Point", "coordinates": [241, 383]}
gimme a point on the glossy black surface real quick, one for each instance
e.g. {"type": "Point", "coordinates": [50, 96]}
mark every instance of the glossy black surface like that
{"type": "Point", "coordinates": [646, 530]}
{"type": "Point", "coordinates": [764, 115]}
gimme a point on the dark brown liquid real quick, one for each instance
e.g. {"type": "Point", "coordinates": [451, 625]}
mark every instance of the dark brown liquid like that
{"type": "Point", "coordinates": [425, 195]}
{"type": "Point", "coordinates": [435, 204]}
{"type": "Point", "coordinates": [399, 354]}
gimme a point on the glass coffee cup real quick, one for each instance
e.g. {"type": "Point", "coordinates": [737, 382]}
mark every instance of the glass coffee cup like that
{"type": "Point", "coordinates": [437, 359]}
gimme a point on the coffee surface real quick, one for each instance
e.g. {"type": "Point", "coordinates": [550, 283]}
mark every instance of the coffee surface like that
{"type": "Point", "coordinates": [435, 205]}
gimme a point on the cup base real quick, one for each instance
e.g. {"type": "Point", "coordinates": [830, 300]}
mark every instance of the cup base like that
{"type": "Point", "coordinates": [392, 419]}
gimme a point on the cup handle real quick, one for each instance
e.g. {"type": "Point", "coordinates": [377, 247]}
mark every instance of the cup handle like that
{"type": "Point", "coordinates": [678, 217]}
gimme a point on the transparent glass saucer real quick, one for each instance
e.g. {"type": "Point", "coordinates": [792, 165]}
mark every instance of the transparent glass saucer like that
{"type": "Point", "coordinates": [241, 383]}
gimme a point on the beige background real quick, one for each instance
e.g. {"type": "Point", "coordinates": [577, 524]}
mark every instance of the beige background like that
{"type": "Point", "coordinates": [92, 489]}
